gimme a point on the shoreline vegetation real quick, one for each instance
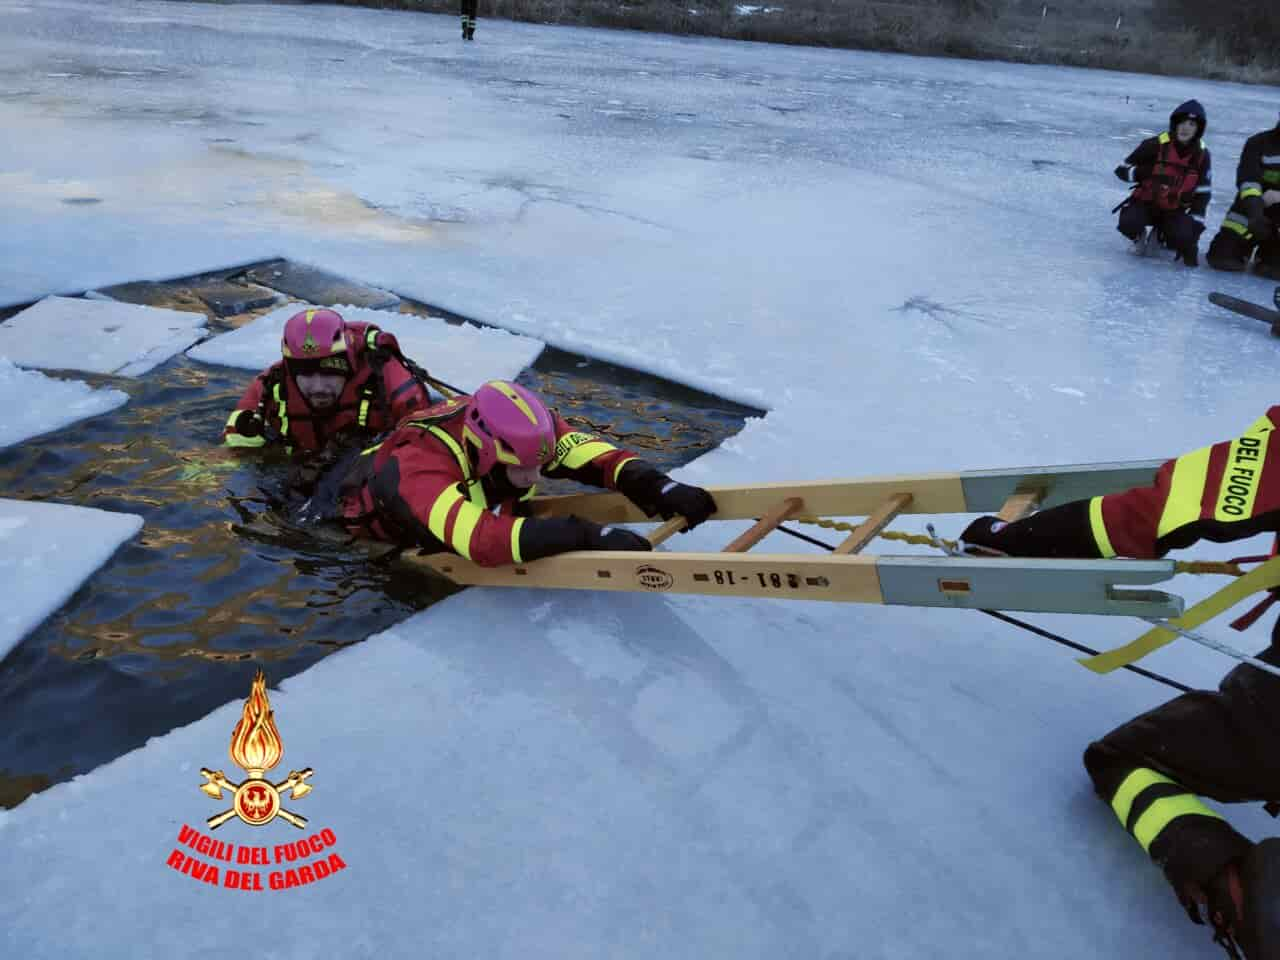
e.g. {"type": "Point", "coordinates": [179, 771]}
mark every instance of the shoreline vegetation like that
{"type": "Point", "coordinates": [1235, 40]}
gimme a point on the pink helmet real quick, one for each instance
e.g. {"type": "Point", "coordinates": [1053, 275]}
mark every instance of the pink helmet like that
{"type": "Point", "coordinates": [318, 339]}
{"type": "Point", "coordinates": [508, 423]}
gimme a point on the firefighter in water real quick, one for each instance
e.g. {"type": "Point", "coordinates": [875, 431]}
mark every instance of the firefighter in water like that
{"type": "Point", "coordinates": [1172, 184]}
{"type": "Point", "coordinates": [1219, 744]}
{"type": "Point", "coordinates": [337, 383]}
{"type": "Point", "coordinates": [1253, 222]}
{"type": "Point", "coordinates": [458, 476]}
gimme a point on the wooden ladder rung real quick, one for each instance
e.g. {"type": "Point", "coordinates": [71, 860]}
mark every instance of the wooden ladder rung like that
{"type": "Point", "coordinates": [1020, 503]}
{"type": "Point", "coordinates": [765, 525]}
{"type": "Point", "coordinates": [668, 529]}
{"type": "Point", "coordinates": [876, 521]}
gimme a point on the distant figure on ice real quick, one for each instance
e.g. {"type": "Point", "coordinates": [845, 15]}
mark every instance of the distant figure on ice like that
{"type": "Point", "coordinates": [336, 383]}
{"type": "Point", "coordinates": [1253, 222]}
{"type": "Point", "coordinates": [469, 19]}
{"type": "Point", "coordinates": [1219, 744]}
{"type": "Point", "coordinates": [1172, 178]}
{"type": "Point", "coordinates": [457, 477]}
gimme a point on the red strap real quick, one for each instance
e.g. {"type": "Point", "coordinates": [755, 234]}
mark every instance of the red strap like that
{"type": "Point", "coordinates": [1246, 620]}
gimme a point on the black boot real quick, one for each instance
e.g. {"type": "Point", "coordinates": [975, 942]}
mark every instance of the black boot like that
{"type": "Point", "coordinates": [1244, 904]}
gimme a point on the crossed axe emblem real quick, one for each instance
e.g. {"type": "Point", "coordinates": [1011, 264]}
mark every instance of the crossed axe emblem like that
{"type": "Point", "coordinates": [256, 801]}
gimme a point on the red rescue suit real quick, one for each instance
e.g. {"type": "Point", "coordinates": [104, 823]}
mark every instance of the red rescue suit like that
{"type": "Point", "coordinates": [418, 487]}
{"type": "Point", "coordinates": [1174, 177]}
{"type": "Point", "coordinates": [380, 392]}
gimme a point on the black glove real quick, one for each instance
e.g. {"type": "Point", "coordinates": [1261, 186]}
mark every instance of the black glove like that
{"type": "Point", "coordinates": [983, 533]}
{"type": "Point", "coordinates": [1122, 172]}
{"type": "Point", "coordinates": [658, 495]}
{"type": "Point", "coordinates": [613, 538]}
{"type": "Point", "coordinates": [692, 503]}
{"type": "Point", "coordinates": [1141, 173]}
{"type": "Point", "coordinates": [547, 536]}
{"type": "Point", "coordinates": [248, 423]}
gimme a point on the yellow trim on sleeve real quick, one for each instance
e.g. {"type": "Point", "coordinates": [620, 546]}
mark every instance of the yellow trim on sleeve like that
{"type": "Point", "coordinates": [238, 440]}
{"type": "Point", "coordinates": [464, 526]}
{"type": "Point", "coordinates": [515, 540]}
{"type": "Point", "coordinates": [1099, 528]}
{"type": "Point", "coordinates": [576, 450]}
{"type": "Point", "coordinates": [440, 512]}
{"type": "Point", "coordinates": [1186, 490]}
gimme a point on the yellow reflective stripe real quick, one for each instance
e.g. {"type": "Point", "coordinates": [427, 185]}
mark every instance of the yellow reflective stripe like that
{"type": "Point", "coordinates": [368, 450]}
{"type": "Point", "coordinates": [282, 409]}
{"type": "Point", "coordinates": [362, 417]}
{"type": "Point", "coordinates": [238, 440]}
{"type": "Point", "coordinates": [474, 489]}
{"type": "Point", "coordinates": [1250, 191]}
{"type": "Point", "coordinates": [618, 469]}
{"type": "Point", "coordinates": [1261, 425]}
{"type": "Point", "coordinates": [1234, 227]}
{"type": "Point", "coordinates": [231, 420]}
{"type": "Point", "coordinates": [1099, 528]}
{"type": "Point", "coordinates": [515, 540]}
{"type": "Point", "coordinates": [1132, 785]}
{"type": "Point", "coordinates": [575, 450]}
{"type": "Point", "coordinates": [1185, 491]}
{"type": "Point", "coordinates": [1239, 487]}
{"type": "Point", "coordinates": [1164, 137]}
{"type": "Point", "coordinates": [464, 525]}
{"type": "Point", "coordinates": [371, 337]}
{"type": "Point", "coordinates": [1163, 811]}
{"type": "Point", "coordinates": [440, 512]}
{"type": "Point", "coordinates": [530, 493]}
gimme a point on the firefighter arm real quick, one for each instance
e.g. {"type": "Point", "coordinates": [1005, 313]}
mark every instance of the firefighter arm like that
{"type": "Point", "coordinates": [1249, 170]}
{"type": "Point", "coordinates": [244, 428]}
{"type": "Point", "coordinates": [1198, 202]}
{"type": "Point", "coordinates": [405, 395]}
{"type": "Point", "coordinates": [1137, 166]}
{"type": "Point", "coordinates": [586, 458]}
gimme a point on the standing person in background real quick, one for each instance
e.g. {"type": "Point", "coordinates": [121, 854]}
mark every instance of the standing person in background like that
{"type": "Point", "coordinates": [469, 19]}
{"type": "Point", "coordinates": [1172, 174]}
{"type": "Point", "coordinates": [1253, 222]}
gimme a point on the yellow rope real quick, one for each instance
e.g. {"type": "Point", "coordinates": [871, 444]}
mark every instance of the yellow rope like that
{"type": "Point", "coordinates": [1223, 567]}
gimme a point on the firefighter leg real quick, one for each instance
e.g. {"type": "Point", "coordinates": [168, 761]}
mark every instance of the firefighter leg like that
{"type": "Point", "coordinates": [1134, 220]}
{"type": "Point", "coordinates": [1219, 745]}
{"type": "Point", "coordinates": [1233, 245]}
{"type": "Point", "coordinates": [1268, 263]}
{"type": "Point", "coordinates": [1181, 233]}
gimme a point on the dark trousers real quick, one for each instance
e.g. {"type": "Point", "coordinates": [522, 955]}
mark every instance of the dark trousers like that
{"type": "Point", "coordinates": [1234, 244]}
{"type": "Point", "coordinates": [1221, 745]}
{"type": "Point", "coordinates": [468, 9]}
{"type": "Point", "coordinates": [1181, 231]}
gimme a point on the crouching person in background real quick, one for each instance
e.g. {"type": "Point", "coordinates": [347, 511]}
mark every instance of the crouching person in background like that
{"type": "Point", "coordinates": [1172, 180]}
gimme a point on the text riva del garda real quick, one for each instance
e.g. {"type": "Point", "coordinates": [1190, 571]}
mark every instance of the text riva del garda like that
{"type": "Point", "coordinates": [306, 860]}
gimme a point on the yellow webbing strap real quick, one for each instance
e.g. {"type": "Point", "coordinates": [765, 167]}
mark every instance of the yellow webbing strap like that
{"type": "Point", "coordinates": [1263, 577]}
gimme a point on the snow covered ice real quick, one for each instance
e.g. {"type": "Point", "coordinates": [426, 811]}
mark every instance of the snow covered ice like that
{"type": "Point", "coordinates": [462, 355]}
{"type": "Point", "coordinates": [909, 262]}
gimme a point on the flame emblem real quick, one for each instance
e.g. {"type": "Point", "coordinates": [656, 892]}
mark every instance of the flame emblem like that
{"type": "Point", "coordinates": [256, 747]}
{"type": "Point", "coordinates": [309, 344]}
